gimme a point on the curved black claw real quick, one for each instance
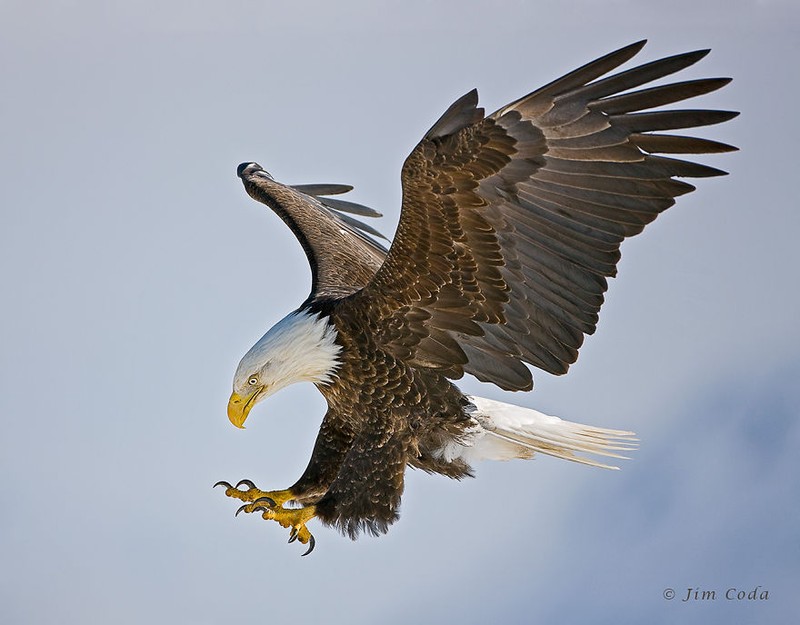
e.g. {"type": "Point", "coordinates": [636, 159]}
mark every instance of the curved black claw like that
{"type": "Point", "coordinates": [248, 483]}
{"type": "Point", "coordinates": [222, 483]}
{"type": "Point", "coordinates": [311, 544]}
{"type": "Point", "coordinates": [269, 501]}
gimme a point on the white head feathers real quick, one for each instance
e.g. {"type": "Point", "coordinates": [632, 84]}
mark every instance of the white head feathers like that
{"type": "Point", "coordinates": [301, 347]}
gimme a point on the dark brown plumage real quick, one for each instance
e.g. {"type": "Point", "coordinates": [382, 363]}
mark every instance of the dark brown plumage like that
{"type": "Point", "coordinates": [510, 226]}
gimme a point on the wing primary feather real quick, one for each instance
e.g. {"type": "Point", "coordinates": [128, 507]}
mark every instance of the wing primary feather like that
{"type": "Point", "coordinates": [322, 189]}
{"type": "Point", "coordinates": [671, 120]}
{"type": "Point", "coordinates": [657, 96]}
{"type": "Point", "coordinates": [578, 77]}
{"type": "Point", "coordinates": [636, 76]}
{"type": "Point", "coordinates": [676, 144]}
{"type": "Point", "coordinates": [359, 225]}
{"type": "Point", "coordinates": [353, 208]}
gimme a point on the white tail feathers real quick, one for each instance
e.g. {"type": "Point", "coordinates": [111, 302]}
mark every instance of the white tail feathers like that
{"type": "Point", "coordinates": [505, 431]}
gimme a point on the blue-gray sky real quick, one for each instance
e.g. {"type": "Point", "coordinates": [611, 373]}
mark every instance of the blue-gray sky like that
{"type": "Point", "coordinates": [136, 272]}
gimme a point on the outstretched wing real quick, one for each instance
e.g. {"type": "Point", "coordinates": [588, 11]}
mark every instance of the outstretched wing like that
{"type": "Point", "coordinates": [341, 249]}
{"type": "Point", "coordinates": [512, 223]}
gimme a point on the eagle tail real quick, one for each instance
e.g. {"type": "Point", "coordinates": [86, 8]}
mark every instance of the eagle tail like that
{"type": "Point", "coordinates": [506, 431]}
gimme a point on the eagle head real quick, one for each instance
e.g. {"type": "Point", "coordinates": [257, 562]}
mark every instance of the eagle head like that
{"type": "Point", "coordinates": [301, 347]}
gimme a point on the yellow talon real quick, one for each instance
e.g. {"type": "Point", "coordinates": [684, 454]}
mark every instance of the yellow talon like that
{"type": "Point", "coordinates": [296, 518]}
{"type": "Point", "coordinates": [270, 504]}
{"type": "Point", "coordinates": [290, 517]}
{"type": "Point", "coordinates": [252, 493]}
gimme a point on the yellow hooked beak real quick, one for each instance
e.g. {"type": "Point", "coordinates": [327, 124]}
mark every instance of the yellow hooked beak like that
{"type": "Point", "coordinates": [239, 407]}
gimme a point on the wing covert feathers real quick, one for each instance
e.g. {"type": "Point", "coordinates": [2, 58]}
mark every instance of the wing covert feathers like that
{"type": "Point", "coordinates": [511, 224]}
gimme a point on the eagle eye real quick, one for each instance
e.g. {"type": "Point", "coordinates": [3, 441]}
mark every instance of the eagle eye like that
{"type": "Point", "coordinates": [252, 381]}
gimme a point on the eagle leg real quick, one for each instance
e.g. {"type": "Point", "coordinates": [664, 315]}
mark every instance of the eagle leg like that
{"type": "Point", "coordinates": [251, 493]}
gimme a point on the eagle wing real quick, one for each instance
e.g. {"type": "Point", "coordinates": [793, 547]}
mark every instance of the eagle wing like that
{"type": "Point", "coordinates": [341, 250]}
{"type": "Point", "coordinates": [512, 223]}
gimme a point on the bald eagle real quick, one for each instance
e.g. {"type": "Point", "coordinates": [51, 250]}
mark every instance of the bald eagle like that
{"type": "Point", "coordinates": [510, 226]}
